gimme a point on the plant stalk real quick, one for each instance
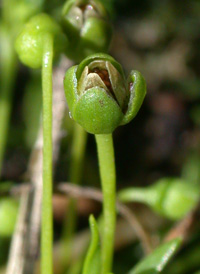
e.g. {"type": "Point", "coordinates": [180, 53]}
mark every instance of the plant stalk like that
{"type": "Point", "coordinates": [47, 215]}
{"type": "Point", "coordinates": [108, 182]}
{"type": "Point", "coordinates": [75, 172]}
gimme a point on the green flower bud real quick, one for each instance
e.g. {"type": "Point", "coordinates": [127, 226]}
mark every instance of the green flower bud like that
{"type": "Point", "coordinates": [23, 10]}
{"type": "Point", "coordinates": [29, 43]}
{"type": "Point", "coordinates": [15, 13]}
{"type": "Point", "coordinates": [98, 96]}
{"type": "Point", "coordinates": [8, 216]}
{"type": "Point", "coordinates": [170, 197]}
{"type": "Point", "coordinates": [86, 24]}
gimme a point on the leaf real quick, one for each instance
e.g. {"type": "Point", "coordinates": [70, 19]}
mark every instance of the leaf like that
{"type": "Point", "coordinates": [5, 187]}
{"type": "Point", "coordinates": [170, 197]}
{"type": "Point", "coordinates": [92, 263]}
{"type": "Point", "coordinates": [158, 259]}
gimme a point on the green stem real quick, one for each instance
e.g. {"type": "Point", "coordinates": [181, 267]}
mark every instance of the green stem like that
{"type": "Point", "coordinates": [75, 172]}
{"type": "Point", "coordinates": [7, 79]}
{"type": "Point", "coordinates": [108, 181]}
{"type": "Point", "coordinates": [47, 215]}
{"type": "Point", "coordinates": [136, 194]}
{"type": "Point", "coordinates": [77, 153]}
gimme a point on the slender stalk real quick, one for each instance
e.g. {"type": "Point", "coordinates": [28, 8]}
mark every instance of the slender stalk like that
{"type": "Point", "coordinates": [77, 153]}
{"type": "Point", "coordinates": [47, 215]}
{"type": "Point", "coordinates": [75, 172]}
{"type": "Point", "coordinates": [7, 79]}
{"type": "Point", "coordinates": [138, 194]}
{"type": "Point", "coordinates": [108, 181]}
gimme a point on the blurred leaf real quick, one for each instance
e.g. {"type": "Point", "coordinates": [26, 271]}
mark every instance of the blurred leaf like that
{"type": "Point", "coordinates": [158, 259]}
{"type": "Point", "coordinates": [8, 216]}
{"type": "Point", "coordinates": [191, 170]}
{"type": "Point", "coordinates": [170, 197]}
{"type": "Point", "coordinates": [5, 186]}
{"type": "Point", "coordinates": [187, 260]}
{"type": "Point", "coordinates": [92, 264]}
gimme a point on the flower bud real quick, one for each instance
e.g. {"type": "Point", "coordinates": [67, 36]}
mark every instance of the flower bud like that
{"type": "Point", "coordinates": [19, 12]}
{"type": "Point", "coordinates": [29, 43]}
{"type": "Point", "coordinates": [99, 97]}
{"type": "Point", "coordinates": [85, 23]}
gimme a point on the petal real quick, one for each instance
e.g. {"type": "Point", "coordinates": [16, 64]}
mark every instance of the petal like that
{"type": "Point", "coordinates": [118, 86]}
{"type": "Point", "coordinates": [90, 12]}
{"type": "Point", "coordinates": [75, 16]}
{"type": "Point", "coordinates": [101, 64]}
{"type": "Point", "coordinates": [82, 81]}
{"type": "Point", "coordinates": [94, 80]}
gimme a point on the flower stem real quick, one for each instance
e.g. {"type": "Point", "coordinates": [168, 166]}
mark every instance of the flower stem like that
{"type": "Point", "coordinates": [75, 172]}
{"type": "Point", "coordinates": [108, 181]}
{"type": "Point", "coordinates": [47, 215]}
{"type": "Point", "coordinates": [8, 73]}
{"type": "Point", "coordinates": [77, 153]}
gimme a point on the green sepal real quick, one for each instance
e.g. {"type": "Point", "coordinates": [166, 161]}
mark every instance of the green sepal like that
{"type": "Point", "coordinates": [158, 259]}
{"type": "Point", "coordinates": [70, 87]}
{"type": "Point", "coordinates": [98, 56]}
{"type": "Point", "coordinates": [29, 43]}
{"type": "Point", "coordinates": [95, 37]}
{"type": "Point", "coordinates": [137, 87]}
{"type": "Point", "coordinates": [96, 34]}
{"type": "Point", "coordinates": [5, 186]}
{"type": "Point", "coordinates": [92, 263]}
{"type": "Point", "coordinates": [97, 112]}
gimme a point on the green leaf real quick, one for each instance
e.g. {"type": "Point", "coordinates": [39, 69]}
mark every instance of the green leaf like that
{"type": "Point", "coordinates": [92, 264]}
{"type": "Point", "coordinates": [5, 187]}
{"type": "Point", "coordinates": [158, 259]}
{"type": "Point", "coordinates": [8, 216]}
{"type": "Point", "coordinates": [170, 197]}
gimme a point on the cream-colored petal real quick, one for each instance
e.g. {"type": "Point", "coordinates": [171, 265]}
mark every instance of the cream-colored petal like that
{"type": "Point", "coordinates": [90, 12]}
{"type": "Point", "coordinates": [117, 83]}
{"type": "Point", "coordinates": [83, 81]}
{"type": "Point", "coordinates": [97, 64]}
{"type": "Point", "coordinates": [94, 80]}
{"type": "Point", "coordinates": [75, 16]}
